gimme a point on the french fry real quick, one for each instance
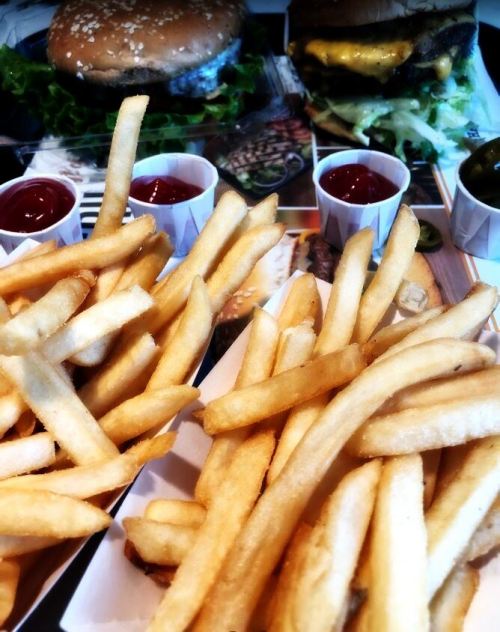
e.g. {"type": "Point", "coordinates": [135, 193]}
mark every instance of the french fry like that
{"type": "Point", "coordinates": [249, 405]}
{"type": "Point", "coordinates": [450, 464]}
{"type": "Point", "coordinates": [456, 322]}
{"type": "Point", "coordinates": [96, 253]}
{"type": "Point", "coordinates": [295, 347]}
{"type": "Point", "coordinates": [58, 407]}
{"type": "Point", "coordinates": [227, 215]}
{"type": "Point", "coordinates": [99, 320]}
{"type": "Point", "coordinates": [257, 365]}
{"type": "Point", "coordinates": [14, 545]}
{"type": "Point", "coordinates": [108, 386]}
{"type": "Point", "coordinates": [120, 163]}
{"type": "Point", "coordinates": [185, 513]}
{"type": "Point", "coordinates": [239, 261]}
{"type": "Point", "coordinates": [487, 536]}
{"type": "Point", "coordinates": [31, 327]}
{"type": "Point", "coordinates": [154, 448]}
{"type": "Point", "coordinates": [429, 427]}
{"type": "Point", "coordinates": [430, 461]}
{"type": "Point", "coordinates": [333, 550]}
{"type": "Point", "coordinates": [188, 341]}
{"type": "Point", "coordinates": [261, 214]}
{"type": "Point", "coordinates": [262, 540]}
{"type": "Point", "coordinates": [12, 406]}
{"type": "Point", "coordinates": [394, 333]}
{"type": "Point", "coordinates": [228, 512]}
{"type": "Point", "coordinates": [146, 411]}
{"type": "Point", "coordinates": [384, 285]}
{"type": "Point", "coordinates": [86, 481]}
{"type": "Point", "coordinates": [458, 510]}
{"type": "Point", "coordinates": [280, 608]}
{"type": "Point", "coordinates": [45, 514]}
{"type": "Point", "coordinates": [10, 571]}
{"type": "Point", "coordinates": [343, 304]}
{"type": "Point", "coordinates": [444, 390]}
{"type": "Point", "coordinates": [398, 576]}
{"type": "Point", "coordinates": [25, 455]}
{"type": "Point", "coordinates": [449, 607]}
{"type": "Point", "coordinates": [145, 267]}
{"type": "Point", "coordinates": [159, 542]}
{"type": "Point", "coordinates": [302, 302]}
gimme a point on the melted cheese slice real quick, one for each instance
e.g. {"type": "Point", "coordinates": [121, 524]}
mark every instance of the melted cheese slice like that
{"type": "Point", "coordinates": [370, 60]}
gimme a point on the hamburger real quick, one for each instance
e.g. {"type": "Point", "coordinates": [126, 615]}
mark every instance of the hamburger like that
{"type": "Point", "coordinates": [189, 55]}
{"type": "Point", "coordinates": [397, 73]}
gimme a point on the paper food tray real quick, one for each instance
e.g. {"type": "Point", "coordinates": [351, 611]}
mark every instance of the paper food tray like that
{"type": "Point", "coordinates": [68, 553]}
{"type": "Point", "coordinates": [115, 596]}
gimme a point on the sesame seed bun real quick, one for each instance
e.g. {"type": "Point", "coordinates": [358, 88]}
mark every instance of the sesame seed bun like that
{"type": "Point", "coordinates": [128, 42]}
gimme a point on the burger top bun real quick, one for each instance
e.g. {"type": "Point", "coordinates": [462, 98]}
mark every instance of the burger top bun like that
{"type": "Point", "coordinates": [140, 41]}
{"type": "Point", "coordinates": [339, 13]}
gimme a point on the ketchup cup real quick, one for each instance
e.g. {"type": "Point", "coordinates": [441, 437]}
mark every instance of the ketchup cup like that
{"type": "Point", "coordinates": [339, 219]}
{"type": "Point", "coordinates": [182, 221]}
{"type": "Point", "coordinates": [67, 230]}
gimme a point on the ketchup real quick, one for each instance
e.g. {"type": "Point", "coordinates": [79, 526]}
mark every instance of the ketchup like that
{"type": "Point", "coordinates": [357, 184]}
{"type": "Point", "coordinates": [163, 189]}
{"type": "Point", "coordinates": [33, 205]}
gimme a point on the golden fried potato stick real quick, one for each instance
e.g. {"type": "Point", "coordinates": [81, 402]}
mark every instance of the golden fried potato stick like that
{"type": "Point", "coordinates": [146, 411]}
{"type": "Point", "coordinates": [449, 607]}
{"type": "Point", "coordinates": [159, 542]}
{"type": "Point", "coordinates": [45, 514]}
{"type": "Point", "coordinates": [384, 285]}
{"type": "Point", "coordinates": [239, 261]}
{"type": "Point", "coordinates": [188, 341]}
{"type": "Point", "coordinates": [450, 464]}
{"type": "Point", "coordinates": [257, 365]}
{"type": "Point", "coordinates": [431, 461]}
{"type": "Point", "coordinates": [185, 513]}
{"type": "Point", "coordinates": [295, 347]}
{"type": "Point", "coordinates": [487, 536]}
{"type": "Point", "coordinates": [394, 333]}
{"type": "Point", "coordinates": [95, 253]}
{"type": "Point", "coordinates": [86, 481]}
{"type": "Point", "coordinates": [302, 302]}
{"type": "Point", "coordinates": [10, 571]}
{"type": "Point", "coordinates": [257, 402]}
{"type": "Point", "coordinates": [398, 552]}
{"type": "Point", "coordinates": [228, 513]}
{"type": "Point", "coordinates": [19, 456]}
{"type": "Point", "coordinates": [281, 602]}
{"type": "Point", "coordinates": [120, 164]}
{"type": "Point", "coordinates": [333, 550]}
{"type": "Point", "coordinates": [33, 326]}
{"type": "Point", "coordinates": [456, 322]}
{"type": "Point", "coordinates": [459, 509]}
{"type": "Point", "coordinates": [144, 268]}
{"type": "Point", "coordinates": [428, 427]}
{"type": "Point", "coordinates": [259, 215]}
{"type": "Point", "coordinates": [57, 406]}
{"type": "Point", "coordinates": [97, 321]}
{"type": "Point", "coordinates": [444, 390]}
{"type": "Point", "coordinates": [14, 545]}
{"type": "Point", "coordinates": [261, 542]}
{"type": "Point", "coordinates": [12, 406]}
{"type": "Point", "coordinates": [343, 304]}
{"type": "Point", "coordinates": [109, 386]}
{"type": "Point", "coordinates": [211, 242]}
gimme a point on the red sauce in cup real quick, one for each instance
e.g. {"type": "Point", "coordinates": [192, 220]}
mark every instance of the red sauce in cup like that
{"type": "Point", "coordinates": [163, 190]}
{"type": "Point", "coordinates": [33, 205]}
{"type": "Point", "coordinates": [357, 184]}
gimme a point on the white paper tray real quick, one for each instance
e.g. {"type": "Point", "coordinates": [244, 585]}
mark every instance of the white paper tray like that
{"type": "Point", "coordinates": [115, 596]}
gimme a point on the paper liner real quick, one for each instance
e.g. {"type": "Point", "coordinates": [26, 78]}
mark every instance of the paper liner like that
{"type": "Point", "coordinates": [114, 595]}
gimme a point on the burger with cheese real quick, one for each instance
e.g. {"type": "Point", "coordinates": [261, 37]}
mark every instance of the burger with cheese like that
{"type": "Point", "coordinates": [397, 72]}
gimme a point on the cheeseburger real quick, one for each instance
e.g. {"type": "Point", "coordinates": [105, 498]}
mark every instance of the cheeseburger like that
{"type": "Point", "coordinates": [394, 71]}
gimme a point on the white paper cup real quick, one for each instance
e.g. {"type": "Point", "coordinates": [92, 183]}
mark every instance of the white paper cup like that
{"type": "Point", "coordinates": [339, 219]}
{"type": "Point", "coordinates": [67, 230]}
{"type": "Point", "coordinates": [475, 226]}
{"type": "Point", "coordinates": [182, 221]}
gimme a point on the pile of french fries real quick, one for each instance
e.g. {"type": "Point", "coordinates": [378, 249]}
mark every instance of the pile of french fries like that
{"type": "Point", "coordinates": [70, 433]}
{"type": "Point", "coordinates": [354, 473]}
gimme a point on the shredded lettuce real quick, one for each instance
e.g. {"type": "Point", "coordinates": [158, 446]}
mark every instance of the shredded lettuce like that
{"type": "Point", "coordinates": [430, 119]}
{"type": "Point", "coordinates": [35, 86]}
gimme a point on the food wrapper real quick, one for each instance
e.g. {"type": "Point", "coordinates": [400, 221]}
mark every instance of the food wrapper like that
{"type": "Point", "coordinates": [115, 596]}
